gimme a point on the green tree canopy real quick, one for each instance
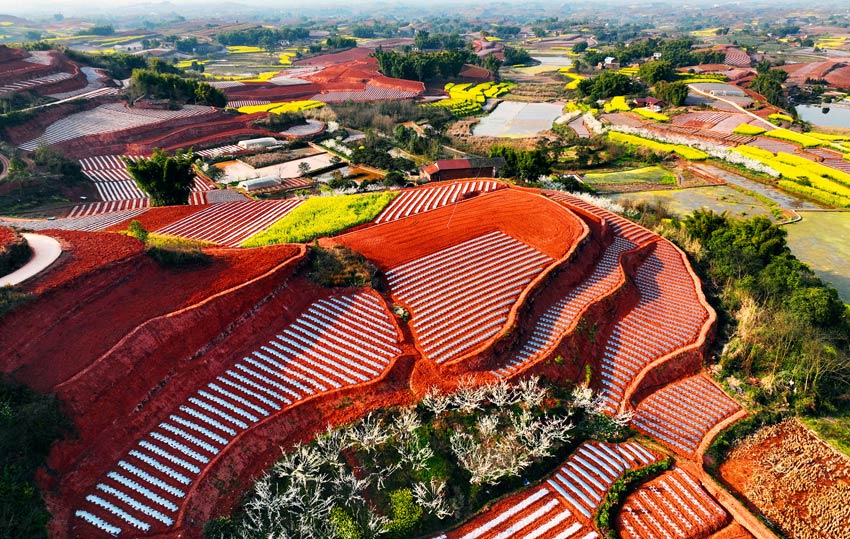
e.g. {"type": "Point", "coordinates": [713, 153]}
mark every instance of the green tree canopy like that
{"type": "Point", "coordinates": [607, 84]}
{"type": "Point", "coordinates": [652, 72]}
{"type": "Point", "coordinates": [672, 93]}
{"type": "Point", "coordinates": [167, 179]}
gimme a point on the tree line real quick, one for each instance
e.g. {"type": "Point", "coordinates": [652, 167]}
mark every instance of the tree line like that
{"type": "Point", "coordinates": [146, 82]}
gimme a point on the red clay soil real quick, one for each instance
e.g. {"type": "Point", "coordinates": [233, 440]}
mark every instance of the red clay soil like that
{"type": "Point", "coordinates": [7, 237]}
{"type": "Point", "coordinates": [840, 77]}
{"type": "Point", "coordinates": [396, 242]}
{"type": "Point", "coordinates": [35, 127]}
{"type": "Point", "coordinates": [175, 371]}
{"type": "Point", "coordinates": [156, 218]}
{"type": "Point", "coordinates": [336, 58]}
{"type": "Point", "coordinates": [82, 253]}
{"type": "Point", "coordinates": [79, 322]}
{"type": "Point", "coordinates": [355, 75]}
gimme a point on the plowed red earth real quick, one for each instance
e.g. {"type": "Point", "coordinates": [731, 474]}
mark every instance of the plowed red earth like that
{"type": "Point", "coordinates": [394, 243]}
{"type": "Point", "coordinates": [156, 218]}
{"type": "Point", "coordinates": [69, 327]}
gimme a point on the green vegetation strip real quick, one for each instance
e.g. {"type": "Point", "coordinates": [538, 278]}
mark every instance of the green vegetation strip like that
{"type": "Point", "coordinates": [322, 216]}
{"type": "Point", "coordinates": [630, 481]}
{"type": "Point", "coordinates": [638, 175]}
{"type": "Point", "coordinates": [29, 424]}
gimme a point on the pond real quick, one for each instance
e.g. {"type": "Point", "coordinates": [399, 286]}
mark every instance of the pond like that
{"type": "Point", "coordinates": [512, 119]}
{"type": "Point", "coordinates": [554, 61]}
{"type": "Point", "coordinates": [820, 240]}
{"type": "Point", "coordinates": [838, 116]}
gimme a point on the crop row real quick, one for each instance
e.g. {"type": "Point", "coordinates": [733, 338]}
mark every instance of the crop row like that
{"type": "Point", "coordinates": [280, 107]}
{"type": "Point", "coordinates": [652, 115]}
{"type": "Point", "coordinates": [747, 129]}
{"type": "Point", "coordinates": [792, 136]}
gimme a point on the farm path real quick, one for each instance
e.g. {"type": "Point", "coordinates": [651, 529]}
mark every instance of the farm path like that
{"type": "Point", "coordinates": [45, 252]}
{"type": "Point", "coordinates": [737, 106]}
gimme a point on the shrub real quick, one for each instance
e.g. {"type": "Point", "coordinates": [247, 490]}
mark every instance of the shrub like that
{"type": "Point", "coordinates": [29, 424]}
{"type": "Point", "coordinates": [406, 513]}
{"type": "Point", "coordinates": [344, 524]}
{"type": "Point", "coordinates": [340, 266]}
{"type": "Point", "coordinates": [177, 253]}
{"type": "Point", "coordinates": [138, 231]}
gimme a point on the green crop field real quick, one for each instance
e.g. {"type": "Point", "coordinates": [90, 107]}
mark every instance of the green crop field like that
{"type": "Point", "coordinates": [639, 175]}
{"type": "Point", "coordinates": [322, 216]}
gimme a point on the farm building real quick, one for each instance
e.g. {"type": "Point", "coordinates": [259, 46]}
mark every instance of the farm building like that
{"type": "Point", "coordinates": [650, 103]}
{"type": "Point", "coordinates": [257, 143]}
{"type": "Point", "coordinates": [452, 169]}
{"type": "Point", "coordinates": [257, 184]}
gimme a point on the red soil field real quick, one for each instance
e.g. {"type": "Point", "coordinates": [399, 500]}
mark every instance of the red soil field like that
{"type": "Point", "coordinates": [82, 253]}
{"type": "Point", "coordinates": [335, 58]}
{"type": "Point", "coordinates": [156, 218]}
{"type": "Point", "coordinates": [81, 320]}
{"type": "Point", "coordinates": [394, 243]}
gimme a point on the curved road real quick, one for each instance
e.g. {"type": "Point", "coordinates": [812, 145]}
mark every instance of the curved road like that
{"type": "Point", "coordinates": [45, 252]}
{"type": "Point", "coordinates": [5, 163]}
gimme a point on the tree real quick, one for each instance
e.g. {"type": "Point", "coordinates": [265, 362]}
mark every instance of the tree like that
{"type": "Point", "coordinates": [652, 72]}
{"type": "Point", "coordinates": [166, 179]}
{"type": "Point", "coordinates": [514, 56]}
{"type": "Point", "coordinates": [580, 47]}
{"type": "Point", "coordinates": [672, 93]}
{"type": "Point", "coordinates": [607, 84]}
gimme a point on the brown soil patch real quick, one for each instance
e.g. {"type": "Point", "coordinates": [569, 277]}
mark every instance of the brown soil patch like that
{"type": "Point", "coordinates": [793, 478]}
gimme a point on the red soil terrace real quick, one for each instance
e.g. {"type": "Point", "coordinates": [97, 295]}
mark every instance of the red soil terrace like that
{"type": "Point", "coordinates": [134, 340]}
{"type": "Point", "coordinates": [74, 316]}
{"type": "Point", "coordinates": [394, 243]}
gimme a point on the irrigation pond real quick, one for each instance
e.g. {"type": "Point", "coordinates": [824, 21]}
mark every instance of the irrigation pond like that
{"type": "Point", "coordinates": [513, 119]}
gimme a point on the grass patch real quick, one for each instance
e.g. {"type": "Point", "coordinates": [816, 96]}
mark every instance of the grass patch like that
{"type": "Point", "coordinates": [11, 297]}
{"type": "Point", "coordinates": [833, 429]}
{"type": "Point", "coordinates": [691, 154]}
{"type": "Point", "coordinates": [177, 253]}
{"type": "Point", "coordinates": [639, 175]}
{"type": "Point", "coordinates": [340, 266]}
{"type": "Point", "coordinates": [322, 216]}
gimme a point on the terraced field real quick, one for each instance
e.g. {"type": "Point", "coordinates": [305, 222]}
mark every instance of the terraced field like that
{"type": "Point", "coordinates": [478, 285]}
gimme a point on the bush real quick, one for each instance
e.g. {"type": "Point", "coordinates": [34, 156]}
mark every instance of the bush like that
{"type": "Point", "coordinates": [406, 513]}
{"type": "Point", "coordinates": [622, 487]}
{"type": "Point", "coordinates": [29, 424]}
{"type": "Point", "coordinates": [340, 266]}
{"type": "Point", "coordinates": [177, 253]}
{"type": "Point", "coordinates": [344, 525]}
{"type": "Point", "coordinates": [138, 231]}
